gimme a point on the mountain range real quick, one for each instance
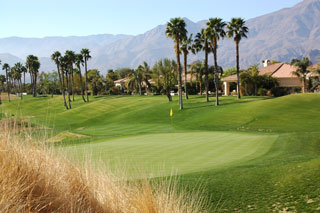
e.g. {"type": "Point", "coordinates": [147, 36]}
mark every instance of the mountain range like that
{"type": "Point", "coordinates": [281, 35]}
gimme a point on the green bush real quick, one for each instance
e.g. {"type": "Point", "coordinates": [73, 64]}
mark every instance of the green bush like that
{"type": "Point", "coordinates": [280, 91]}
{"type": "Point", "coordinates": [262, 92]}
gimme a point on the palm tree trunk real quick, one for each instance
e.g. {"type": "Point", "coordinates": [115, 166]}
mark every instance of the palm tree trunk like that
{"type": "Point", "coordinates": [185, 75]}
{"type": "Point", "coordinates": [24, 81]}
{"type": "Point", "coordinates": [206, 72]}
{"type": "Point", "coordinates": [200, 82]}
{"type": "Point", "coordinates": [179, 75]}
{"type": "Point", "coordinates": [21, 89]}
{"type": "Point", "coordinates": [72, 83]}
{"type": "Point", "coordinates": [238, 69]}
{"type": "Point", "coordinates": [31, 78]}
{"type": "Point", "coordinates": [0, 94]}
{"type": "Point", "coordinates": [86, 85]}
{"type": "Point", "coordinates": [68, 85]}
{"type": "Point", "coordinates": [82, 93]}
{"type": "Point", "coordinates": [169, 96]}
{"type": "Point", "coordinates": [63, 89]}
{"type": "Point", "coordinates": [216, 78]}
{"type": "Point", "coordinates": [140, 89]}
{"type": "Point", "coordinates": [8, 85]}
{"type": "Point", "coordinates": [35, 85]}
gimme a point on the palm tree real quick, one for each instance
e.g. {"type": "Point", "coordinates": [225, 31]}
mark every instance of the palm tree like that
{"type": "Point", "coordinates": [215, 32]}
{"type": "Point", "coordinates": [24, 70]}
{"type": "Point", "coordinates": [136, 79]}
{"type": "Point", "coordinates": [2, 80]}
{"type": "Point", "coordinates": [302, 70]}
{"type": "Point", "coordinates": [237, 30]}
{"type": "Point", "coordinates": [62, 69]}
{"type": "Point", "coordinates": [185, 48]}
{"type": "Point", "coordinates": [165, 75]}
{"type": "Point", "coordinates": [56, 57]}
{"type": "Point", "coordinates": [18, 69]}
{"type": "Point", "coordinates": [79, 62]}
{"type": "Point", "coordinates": [71, 57]}
{"type": "Point", "coordinates": [176, 29]}
{"type": "Point", "coordinates": [33, 65]}
{"type": "Point", "coordinates": [86, 55]}
{"type": "Point", "coordinates": [6, 67]}
{"type": "Point", "coordinates": [202, 42]}
{"type": "Point", "coordinates": [196, 48]}
{"type": "Point", "coordinates": [146, 74]}
{"type": "Point", "coordinates": [64, 64]}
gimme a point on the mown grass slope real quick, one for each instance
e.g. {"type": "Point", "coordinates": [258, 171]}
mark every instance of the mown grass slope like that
{"type": "Point", "coordinates": [281, 174]}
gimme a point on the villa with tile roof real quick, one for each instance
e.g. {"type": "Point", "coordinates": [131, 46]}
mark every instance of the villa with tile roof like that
{"type": "Point", "coordinates": [281, 71]}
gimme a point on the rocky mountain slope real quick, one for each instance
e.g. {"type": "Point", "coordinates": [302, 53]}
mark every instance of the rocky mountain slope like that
{"type": "Point", "coordinates": [282, 35]}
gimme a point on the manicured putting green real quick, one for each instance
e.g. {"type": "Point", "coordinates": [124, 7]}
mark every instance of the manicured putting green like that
{"type": "Point", "coordinates": [163, 154]}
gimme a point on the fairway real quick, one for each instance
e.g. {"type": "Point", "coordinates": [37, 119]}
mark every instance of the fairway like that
{"type": "Point", "coordinates": [178, 153]}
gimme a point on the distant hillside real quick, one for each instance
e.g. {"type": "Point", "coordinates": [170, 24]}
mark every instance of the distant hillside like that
{"type": "Point", "coordinates": [282, 35]}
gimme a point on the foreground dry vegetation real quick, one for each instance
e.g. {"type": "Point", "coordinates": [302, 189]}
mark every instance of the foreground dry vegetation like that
{"type": "Point", "coordinates": [34, 179]}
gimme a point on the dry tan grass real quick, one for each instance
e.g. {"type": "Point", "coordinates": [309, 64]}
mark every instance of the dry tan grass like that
{"type": "Point", "coordinates": [34, 179]}
{"type": "Point", "coordinates": [4, 96]}
{"type": "Point", "coordinates": [65, 135]}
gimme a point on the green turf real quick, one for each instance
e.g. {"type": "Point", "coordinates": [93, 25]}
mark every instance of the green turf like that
{"type": "Point", "coordinates": [259, 154]}
{"type": "Point", "coordinates": [179, 153]}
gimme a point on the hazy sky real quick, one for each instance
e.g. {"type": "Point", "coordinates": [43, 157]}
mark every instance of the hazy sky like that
{"type": "Point", "coordinates": [39, 18]}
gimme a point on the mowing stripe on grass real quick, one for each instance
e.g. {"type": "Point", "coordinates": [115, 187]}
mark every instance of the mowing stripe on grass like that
{"type": "Point", "coordinates": [179, 152]}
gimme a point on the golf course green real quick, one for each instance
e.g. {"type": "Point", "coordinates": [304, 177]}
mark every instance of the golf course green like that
{"type": "Point", "coordinates": [256, 154]}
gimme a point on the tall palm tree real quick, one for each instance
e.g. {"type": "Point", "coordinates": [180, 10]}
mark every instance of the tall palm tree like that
{"type": "Point", "coordinates": [6, 67]}
{"type": "Point", "coordinates": [202, 42]}
{"type": "Point", "coordinates": [146, 74]}
{"type": "Point", "coordinates": [71, 57]}
{"type": "Point", "coordinates": [56, 57]}
{"type": "Point", "coordinates": [24, 70]}
{"type": "Point", "coordinates": [302, 70]}
{"type": "Point", "coordinates": [18, 70]}
{"type": "Point", "coordinates": [2, 80]}
{"type": "Point", "coordinates": [176, 29]}
{"type": "Point", "coordinates": [86, 56]}
{"type": "Point", "coordinates": [33, 65]}
{"type": "Point", "coordinates": [79, 62]}
{"type": "Point", "coordinates": [62, 68]}
{"type": "Point", "coordinates": [215, 31]}
{"type": "Point", "coordinates": [196, 48]}
{"type": "Point", "coordinates": [186, 47]}
{"type": "Point", "coordinates": [237, 30]}
{"type": "Point", "coordinates": [64, 64]}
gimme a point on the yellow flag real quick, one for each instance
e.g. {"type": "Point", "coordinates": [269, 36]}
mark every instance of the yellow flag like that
{"type": "Point", "coordinates": [171, 113]}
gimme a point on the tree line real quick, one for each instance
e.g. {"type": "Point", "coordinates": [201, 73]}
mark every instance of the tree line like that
{"type": "Point", "coordinates": [207, 41]}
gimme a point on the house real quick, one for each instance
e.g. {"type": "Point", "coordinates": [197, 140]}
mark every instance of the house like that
{"type": "Point", "coordinates": [121, 83]}
{"type": "Point", "coordinates": [281, 71]}
{"type": "Point", "coordinates": [315, 75]}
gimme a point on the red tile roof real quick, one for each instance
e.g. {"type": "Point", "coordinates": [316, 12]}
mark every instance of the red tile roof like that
{"type": "Point", "coordinates": [279, 70]}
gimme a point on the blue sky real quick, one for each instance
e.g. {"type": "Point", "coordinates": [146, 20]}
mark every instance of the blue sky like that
{"type": "Point", "coordinates": [40, 18]}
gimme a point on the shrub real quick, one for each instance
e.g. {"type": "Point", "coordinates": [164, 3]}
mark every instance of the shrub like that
{"type": "Point", "coordinates": [262, 92]}
{"type": "Point", "coordinates": [280, 91]}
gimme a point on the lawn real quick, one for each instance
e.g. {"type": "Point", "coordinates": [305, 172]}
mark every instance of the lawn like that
{"type": "Point", "coordinates": [260, 154]}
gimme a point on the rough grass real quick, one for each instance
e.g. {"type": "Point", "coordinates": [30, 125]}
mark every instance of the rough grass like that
{"type": "Point", "coordinates": [34, 179]}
